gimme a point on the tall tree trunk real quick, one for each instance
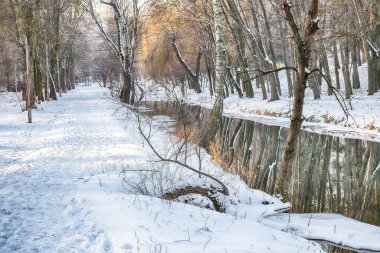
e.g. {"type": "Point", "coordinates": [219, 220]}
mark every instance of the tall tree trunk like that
{"type": "Point", "coordinates": [125, 94]}
{"type": "Point", "coordinates": [220, 61]}
{"type": "Point", "coordinates": [361, 17]}
{"type": "Point", "coordinates": [28, 79]}
{"type": "Point", "coordinates": [194, 77]}
{"type": "Point", "coordinates": [345, 55]}
{"type": "Point", "coordinates": [58, 73]}
{"type": "Point", "coordinates": [303, 45]}
{"type": "Point", "coordinates": [260, 82]}
{"type": "Point", "coordinates": [54, 54]}
{"type": "Point", "coordinates": [240, 44]}
{"type": "Point", "coordinates": [284, 55]}
{"type": "Point", "coordinates": [262, 56]}
{"type": "Point", "coordinates": [270, 45]}
{"type": "Point", "coordinates": [220, 70]}
{"type": "Point", "coordinates": [38, 80]}
{"type": "Point", "coordinates": [315, 80]}
{"type": "Point", "coordinates": [210, 71]}
{"type": "Point", "coordinates": [326, 68]}
{"type": "Point", "coordinates": [374, 58]}
{"type": "Point", "coordinates": [244, 67]}
{"type": "Point", "coordinates": [72, 75]}
{"type": "Point", "coordinates": [336, 66]}
{"type": "Point", "coordinates": [47, 72]}
{"type": "Point", "coordinates": [354, 63]}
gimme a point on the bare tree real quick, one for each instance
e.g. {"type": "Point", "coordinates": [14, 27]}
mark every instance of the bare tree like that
{"type": "Point", "coordinates": [25, 20]}
{"type": "Point", "coordinates": [126, 16]}
{"type": "Point", "coordinates": [220, 70]}
{"type": "Point", "coordinates": [303, 45]}
{"type": "Point", "coordinates": [194, 76]}
{"type": "Point", "coordinates": [373, 42]}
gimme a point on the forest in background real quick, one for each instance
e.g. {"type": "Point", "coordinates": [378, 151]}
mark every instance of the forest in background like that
{"type": "Point", "coordinates": [173, 42]}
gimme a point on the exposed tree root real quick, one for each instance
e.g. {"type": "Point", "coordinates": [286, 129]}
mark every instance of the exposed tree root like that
{"type": "Point", "coordinates": [211, 194]}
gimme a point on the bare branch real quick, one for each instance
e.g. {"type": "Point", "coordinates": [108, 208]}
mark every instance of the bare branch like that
{"type": "Point", "coordinates": [147, 137]}
{"type": "Point", "coordinates": [336, 93]}
{"type": "Point", "coordinates": [264, 73]}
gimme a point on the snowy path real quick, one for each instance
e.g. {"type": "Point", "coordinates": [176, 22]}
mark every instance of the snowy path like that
{"type": "Point", "coordinates": [41, 166]}
{"type": "Point", "coordinates": [60, 190]}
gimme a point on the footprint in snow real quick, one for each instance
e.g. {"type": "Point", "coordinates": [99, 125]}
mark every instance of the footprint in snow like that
{"type": "Point", "coordinates": [127, 247]}
{"type": "Point", "coordinates": [107, 246]}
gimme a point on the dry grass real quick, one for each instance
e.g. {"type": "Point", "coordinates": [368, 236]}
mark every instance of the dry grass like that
{"type": "Point", "coordinates": [219, 157]}
{"type": "Point", "coordinates": [187, 132]}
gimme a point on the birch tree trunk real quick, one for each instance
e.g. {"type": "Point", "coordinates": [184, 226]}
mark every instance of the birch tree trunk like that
{"type": "Point", "coordinates": [54, 63]}
{"type": "Point", "coordinates": [125, 44]}
{"type": "Point", "coordinates": [220, 59]}
{"type": "Point", "coordinates": [28, 82]}
{"type": "Point", "coordinates": [24, 20]}
{"type": "Point", "coordinates": [47, 72]}
{"type": "Point", "coordinates": [220, 71]}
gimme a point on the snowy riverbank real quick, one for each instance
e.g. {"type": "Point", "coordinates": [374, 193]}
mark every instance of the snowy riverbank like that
{"type": "Point", "coordinates": [61, 189]}
{"type": "Point", "coordinates": [323, 115]}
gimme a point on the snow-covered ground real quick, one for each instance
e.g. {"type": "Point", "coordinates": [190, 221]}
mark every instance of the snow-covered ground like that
{"type": "Point", "coordinates": [322, 115]}
{"type": "Point", "coordinates": [329, 228]}
{"type": "Point", "coordinates": [61, 189]}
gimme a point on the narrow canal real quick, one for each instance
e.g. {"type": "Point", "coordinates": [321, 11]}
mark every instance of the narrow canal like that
{"type": "Point", "coordinates": [331, 173]}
